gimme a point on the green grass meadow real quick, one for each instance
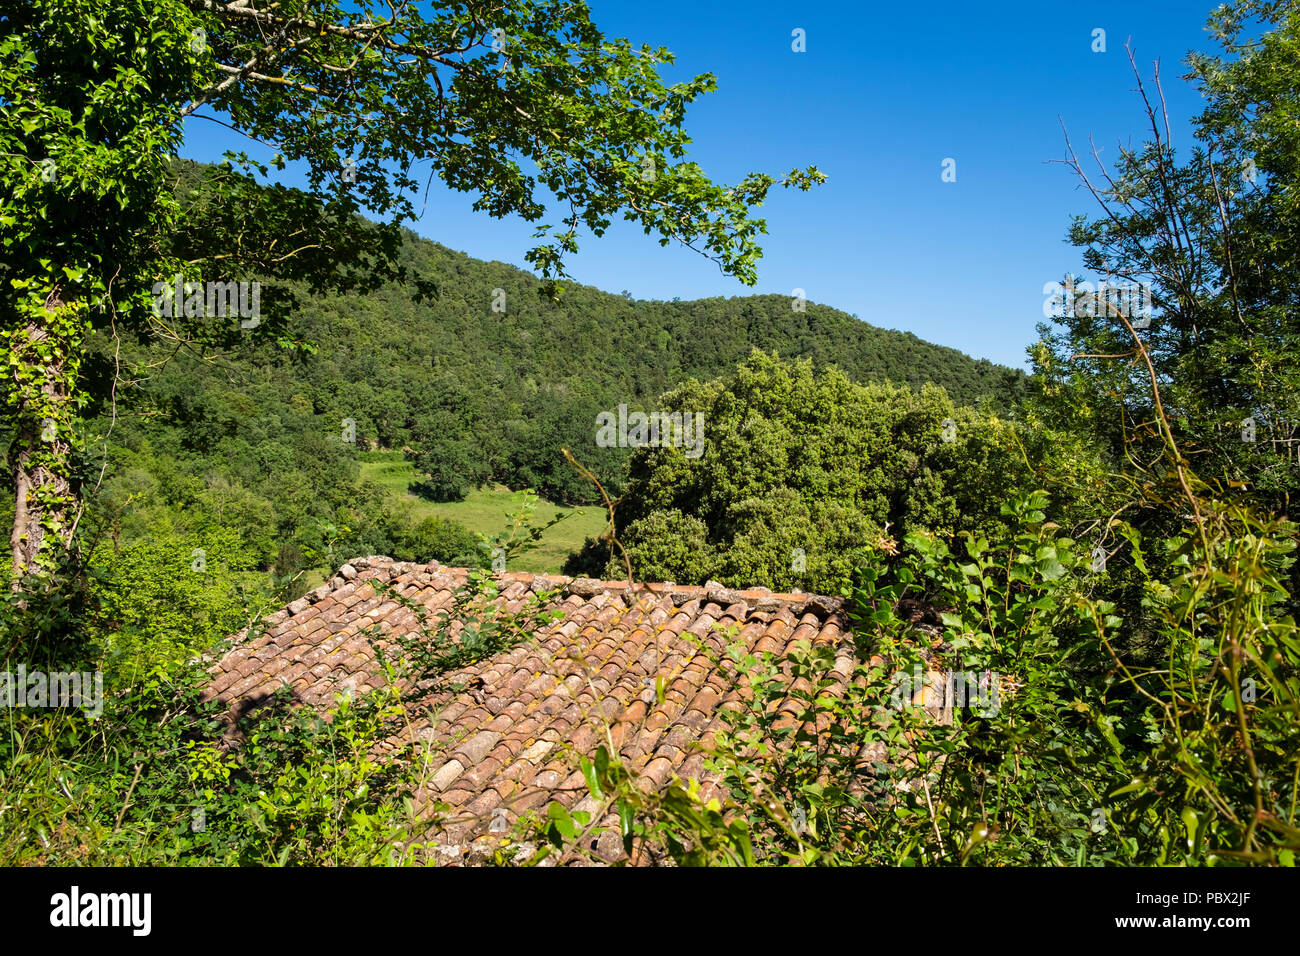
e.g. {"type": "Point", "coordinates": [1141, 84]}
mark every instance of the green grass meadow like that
{"type": "Point", "coordinates": [485, 509]}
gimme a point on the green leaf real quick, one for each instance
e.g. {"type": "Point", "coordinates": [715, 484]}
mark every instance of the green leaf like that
{"type": "Point", "coordinates": [626, 817]}
{"type": "Point", "coordinates": [589, 774]}
{"type": "Point", "coordinates": [561, 820]}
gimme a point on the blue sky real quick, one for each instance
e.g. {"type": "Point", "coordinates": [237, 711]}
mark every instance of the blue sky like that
{"type": "Point", "coordinates": [884, 93]}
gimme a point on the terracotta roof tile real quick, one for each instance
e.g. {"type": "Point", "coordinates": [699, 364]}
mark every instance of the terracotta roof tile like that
{"type": "Point", "coordinates": [508, 742]}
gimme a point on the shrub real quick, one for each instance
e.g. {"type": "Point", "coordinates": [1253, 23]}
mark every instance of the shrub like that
{"type": "Point", "coordinates": [1076, 751]}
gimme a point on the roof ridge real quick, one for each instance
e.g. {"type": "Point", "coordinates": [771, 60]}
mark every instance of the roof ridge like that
{"type": "Point", "coordinates": [755, 598]}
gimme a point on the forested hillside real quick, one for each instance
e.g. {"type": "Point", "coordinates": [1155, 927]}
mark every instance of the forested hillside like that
{"type": "Point", "coordinates": [263, 440]}
{"type": "Point", "coordinates": [490, 380]}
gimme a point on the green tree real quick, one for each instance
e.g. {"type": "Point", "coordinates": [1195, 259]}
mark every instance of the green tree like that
{"type": "Point", "coordinates": [499, 99]}
{"type": "Point", "coordinates": [803, 475]}
{"type": "Point", "coordinates": [437, 539]}
{"type": "Point", "coordinates": [1214, 237]}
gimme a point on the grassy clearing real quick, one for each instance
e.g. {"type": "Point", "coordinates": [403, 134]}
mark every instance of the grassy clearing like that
{"type": "Point", "coordinates": [484, 510]}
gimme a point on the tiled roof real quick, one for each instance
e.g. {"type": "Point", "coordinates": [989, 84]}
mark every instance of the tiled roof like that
{"type": "Point", "coordinates": [506, 743]}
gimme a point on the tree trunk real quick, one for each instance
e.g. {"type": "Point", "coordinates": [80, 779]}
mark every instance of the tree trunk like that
{"type": "Point", "coordinates": [44, 358]}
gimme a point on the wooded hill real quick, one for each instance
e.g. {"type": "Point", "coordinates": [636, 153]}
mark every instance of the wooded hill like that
{"type": "Point", "coordinates": [490, 380]}
{"type": "Point", "coordinates": [257, 432]}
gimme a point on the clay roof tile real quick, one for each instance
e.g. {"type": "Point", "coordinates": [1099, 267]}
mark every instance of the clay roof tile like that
{"type": "Point", "coordinates": [505, 731]}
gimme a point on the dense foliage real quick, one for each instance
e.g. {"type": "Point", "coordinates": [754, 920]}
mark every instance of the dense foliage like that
{"type": "Point", "coordinates": [805, 476]}
{"type": "Point", "coordinates": [1055, 746]}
